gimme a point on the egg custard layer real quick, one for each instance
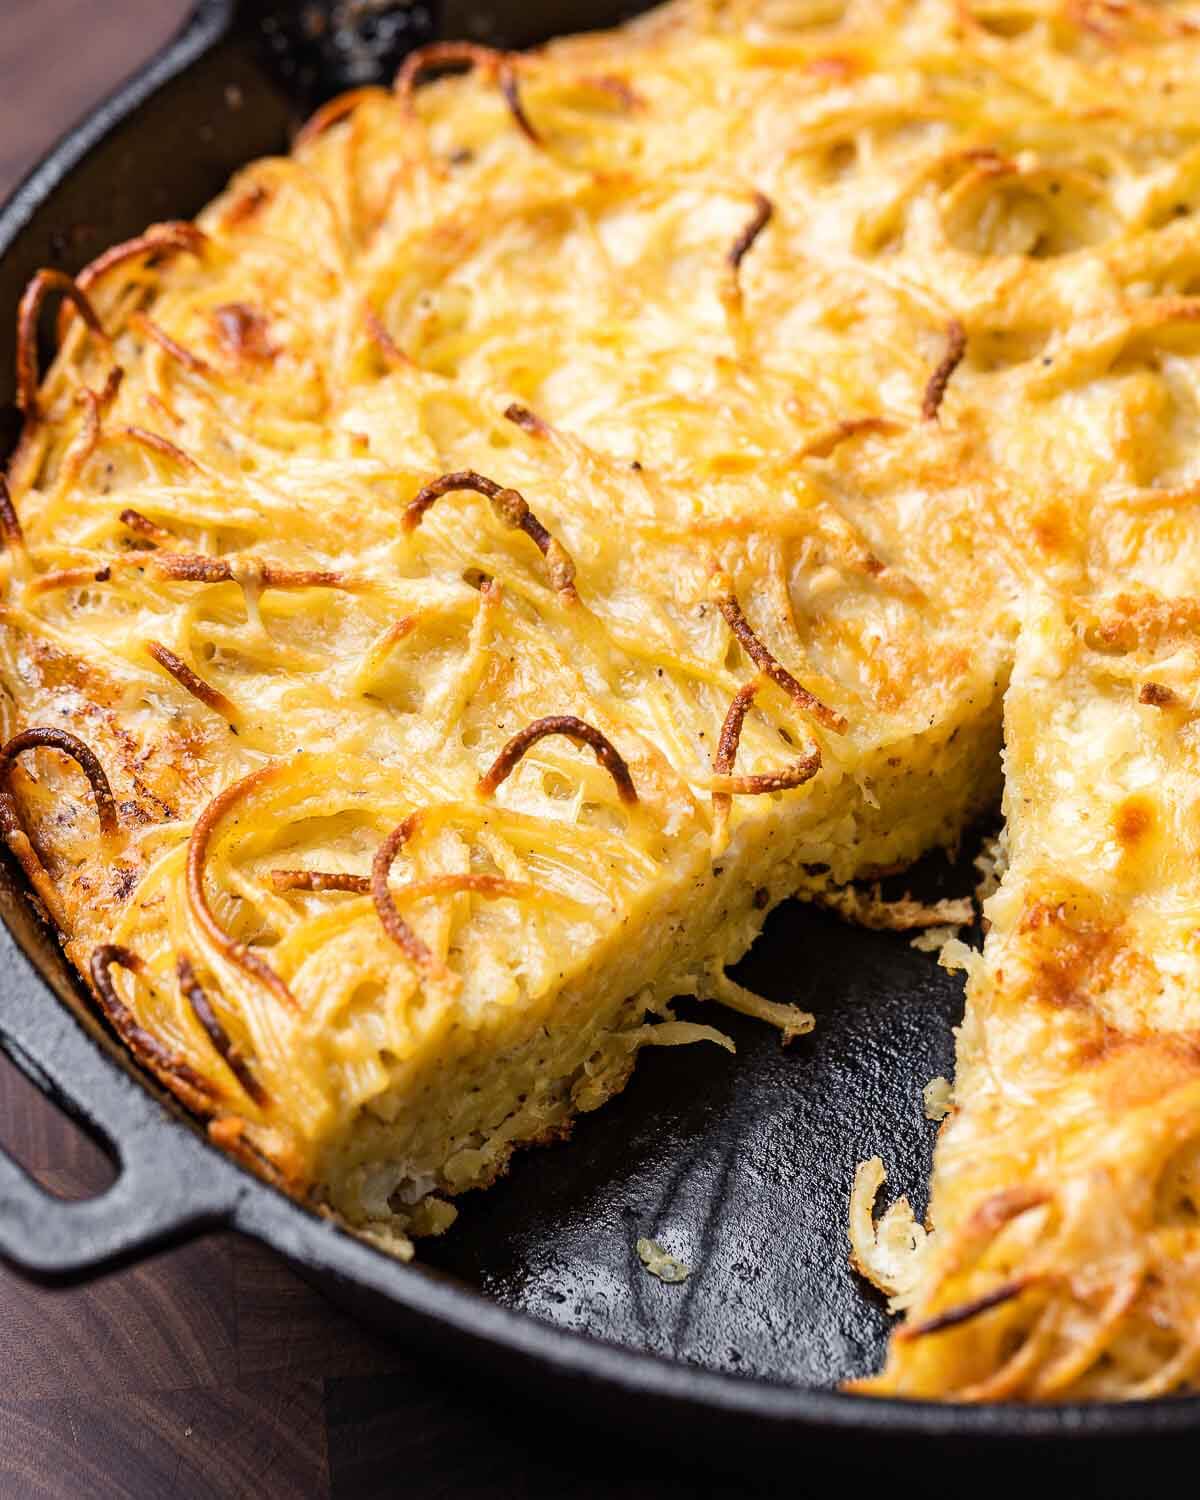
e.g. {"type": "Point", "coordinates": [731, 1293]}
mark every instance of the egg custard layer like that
{"type": "Point", "coordinates": [455, 587]}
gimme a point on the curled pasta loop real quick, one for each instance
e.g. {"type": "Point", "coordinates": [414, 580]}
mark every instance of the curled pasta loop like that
{"type": "Point", "coordinates": [575, 729]}
{"type": "Point", "coordinates": [197, 856]}
{"type": "Point", "coordinates": [28, 377]}
{"type": "Point", "coordinates": [60, 739]}
{"type": "Point", "coordinates": [725, 758]}
{"type": "Point", "coordinates": [511, 508]}
{"type": "Point", "coordinates": [11, 827]}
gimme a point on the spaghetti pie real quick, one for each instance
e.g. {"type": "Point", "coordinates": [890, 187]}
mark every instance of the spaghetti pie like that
{"type": "Point", "coordinates": [458, 585]}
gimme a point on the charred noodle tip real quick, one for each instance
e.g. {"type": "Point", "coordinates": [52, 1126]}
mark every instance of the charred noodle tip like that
{"type": "Point", "coordinates": [766, 662]}
{"type": "Point", "coordinates": [197, 857]}
{"type": "Point", "coordinates": [520, 416]}
{"type": "Point", "coordinates": [45, 282]}
{"type": "Point", "coordinates": [510, 506]}
{"type": "Point", "coordinates": [135, 521]}
{"type": "Point", "coordinates": [575, 729]}
{"type": "Point", "coordinates": [758, 221]}
{"type": "Point", "coordinates": [935, 389]}
{"type": "Point", "coordinates": [965, 1311]}
{"type": "Point", "coordinates": [144, 1046]}
{"type": "Point", "coordinates": [203, 691]}
{"type": "Point", "coordinates": [84, 758]}
{"type": "Point", "coordinates": [202, 1009]}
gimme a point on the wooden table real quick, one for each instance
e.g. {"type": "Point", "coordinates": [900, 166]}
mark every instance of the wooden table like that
{"type": "Point", "coordinates": [212, 1370]}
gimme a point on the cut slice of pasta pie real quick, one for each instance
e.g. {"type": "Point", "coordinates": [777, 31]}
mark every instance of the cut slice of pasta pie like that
{"type": "Point", "coordinates": [1065, 1258]}
{"type": "Point", "coordinates": [408, 820]}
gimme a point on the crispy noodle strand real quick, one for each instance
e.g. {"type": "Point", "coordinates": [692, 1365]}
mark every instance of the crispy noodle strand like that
{"type": "Point", "coordinates": [574, 729]}
{"type": "Point", "coordinates": [725, 759]}
{"type": "Point", "coordinates": [84, 758]}
{"type": "Point", "coordinates": [319, 880]}
{"type": "Point", "coordinates": [439, 885]}
{"type": "Point", "coordinates": [492, 886]}
{"type": "Point", "coordinates": [197, 1091]}
{"type": "Point", "coordinates": [393, 923]}
{"type": "Point", "coordinates": [197, 855]}
{"type": "Point", "coordinates": [164, 447]}
{"type": "Point", "coordinates": [511, 508]}
{"type": "Point", "coordinates": [182, 355]}
{"type": "Point", "coordinates": [36, 292]}
{"type": "Point", "coordinates": [935, 389]}
{"type": "Point", "coordinates": [331, 112]}
{"type": "Point", "coordinates": [195, 567]}
{"type": "Point", "coordinates": [210, 696]}
{"type": "Point", "coordinates": [766, 662]}
{"type": "Point", "coordinates": [172, 236]}
{"type": "Point", "coordinates": [520, 416]}
{"type": "Point", "coordinates": [758, 221]}
{"type": "Point", "coordinates": [204, 1013]}
{"type": "Point", "coordinates": [11, 828]}
{"type": "Point", "coordinates": [498, 65]}
{"type": "Point", "coordinates": [965, 1311]}
{"type": "Point", "coordinates": [10, 525]}
{"type": "Point", "coordinates": [144, 526]}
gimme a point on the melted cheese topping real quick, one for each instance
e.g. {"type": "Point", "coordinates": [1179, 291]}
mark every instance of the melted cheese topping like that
{"type": "Point", "coordinates": [785, 348]}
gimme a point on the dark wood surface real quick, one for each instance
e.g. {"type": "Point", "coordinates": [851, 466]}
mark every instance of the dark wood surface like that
{"type": "Point", "coordinates": [212, 1370]}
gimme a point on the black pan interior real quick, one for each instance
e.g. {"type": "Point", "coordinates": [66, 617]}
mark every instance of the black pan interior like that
{"type": "Point", "coordinates": [740, 1166]}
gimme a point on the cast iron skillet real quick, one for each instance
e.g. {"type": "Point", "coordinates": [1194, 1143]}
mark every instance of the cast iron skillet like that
{"type": "Point", "coordinates": [741, 1166]}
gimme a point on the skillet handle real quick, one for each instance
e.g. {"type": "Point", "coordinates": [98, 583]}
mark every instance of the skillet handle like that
{"type": "Point", "coordinates": [170, 1185]}
{"type": "Point", "coordinates": [71, 1240]}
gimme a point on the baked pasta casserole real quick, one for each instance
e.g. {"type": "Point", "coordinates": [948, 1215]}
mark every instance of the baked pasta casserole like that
{"type": "Point", "coordinates": [458, 585]}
